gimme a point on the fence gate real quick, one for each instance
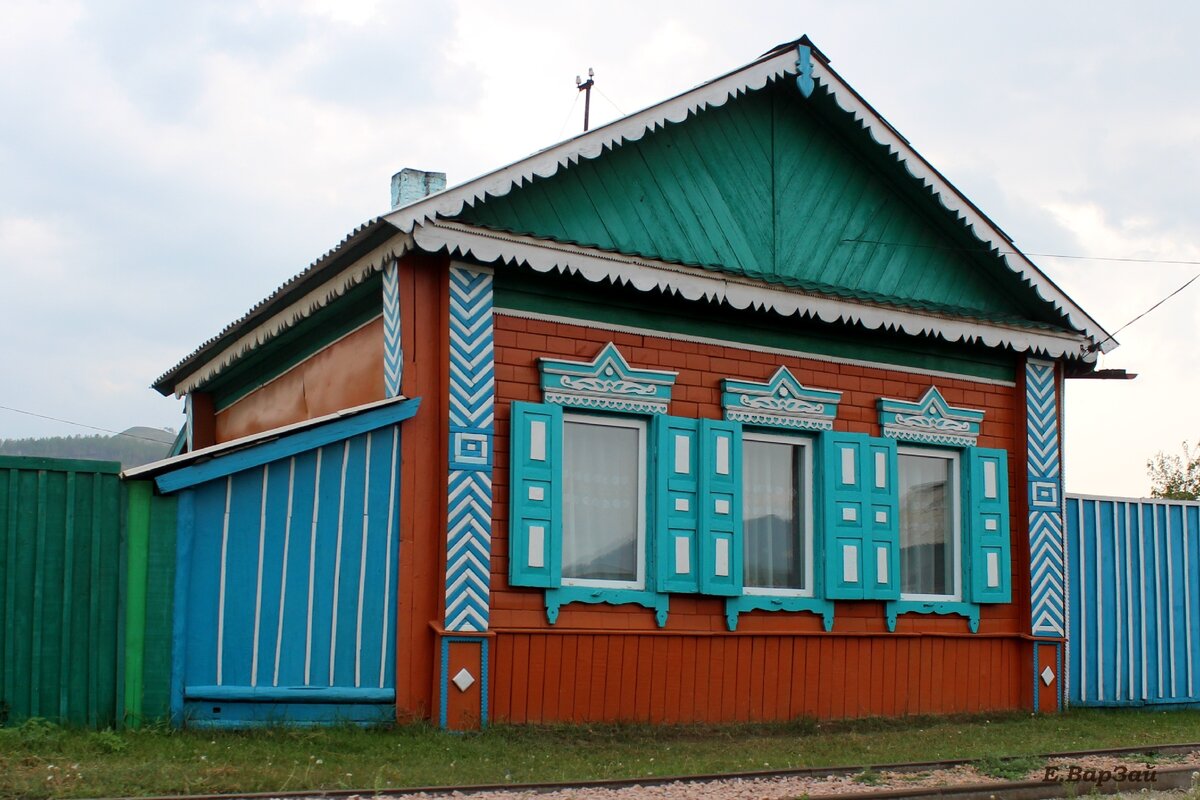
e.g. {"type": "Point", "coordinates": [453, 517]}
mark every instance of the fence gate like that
{"type": "Point", "coordinates": [1134, 601]}
{"type": "Point", "coordinates": [286, 588]}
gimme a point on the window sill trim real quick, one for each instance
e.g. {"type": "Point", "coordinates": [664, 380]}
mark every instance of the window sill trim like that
{"type": "Point", "coordinates": [556, 598]}
{"type": "Point", "coordinates": [776, 602]}
{"type": "Point", "coordinates": [946, 607]}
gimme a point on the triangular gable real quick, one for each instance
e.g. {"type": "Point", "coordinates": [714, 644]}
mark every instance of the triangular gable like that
{"type": "Point", "coordinates": [765, 187]}
{"type": "Point", "coordinates": [1032, 295]}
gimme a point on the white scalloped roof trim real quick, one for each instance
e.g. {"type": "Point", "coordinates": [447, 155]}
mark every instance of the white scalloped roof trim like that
{"type": "Point", "coordinates": [953, 200]}
{"type": "Point", "coordinates": [715, 93]}
{"type": "Point", "coordinates": [296, 311]}
{"type": "Point", "coordinates": [694, 284]}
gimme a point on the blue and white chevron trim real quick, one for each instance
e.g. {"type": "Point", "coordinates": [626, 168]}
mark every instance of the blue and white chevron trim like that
{"type": "Point", "coordinates": [472, 402]}
{"type": "Point", "coordinates": [472, 373]}
{"type": "Point", "coordinates": [393, 351]}
{"type": "Point", "coordinates": [1044, 466]}
{"type": "Point", "coordinates": [468, 550]}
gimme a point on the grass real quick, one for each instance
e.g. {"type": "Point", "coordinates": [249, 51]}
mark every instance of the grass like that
{"type": "Point", "coordinates": [38, 759]}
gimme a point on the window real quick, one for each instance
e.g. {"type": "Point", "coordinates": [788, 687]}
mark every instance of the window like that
{"type": "Point", "coordinates": [930, 527]}
{"type": "Point", "coordinates": [777, 514]}
{"type": "Point", "coordinates": [604, 501]}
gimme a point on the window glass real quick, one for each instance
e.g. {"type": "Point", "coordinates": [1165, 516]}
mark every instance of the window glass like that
{"type": "Point", "coordinates": [928, 559]}
{"type": "Point", "coordinates": [602, 501]}
{"type": "Point", "coordinates": [773, 532]}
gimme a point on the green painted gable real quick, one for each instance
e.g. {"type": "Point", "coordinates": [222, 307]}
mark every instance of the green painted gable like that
{"type": "Point", "coordinates": [771, 186]}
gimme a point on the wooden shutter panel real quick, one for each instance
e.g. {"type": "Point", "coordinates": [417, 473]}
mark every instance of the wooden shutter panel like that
{"type": "Point", "coordinates": [842, 513]}
{"type": "Point", "coordinates": [720, 507]}
{"type": "Point", "coordinates": [882, 567]}
{"type": "Point", "coordinates": [860, 517]}
{"type": "Point", "coordinates": [535, 495]}
{"type": "Point", "coordinates": [991, 563]}
{"type": "Point", "coordinates": [677, 504]}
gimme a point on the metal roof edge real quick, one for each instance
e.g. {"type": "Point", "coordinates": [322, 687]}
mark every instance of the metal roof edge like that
{"type": "Point", "coordinates": [183, 460]}
{"type": "Point", "coordinates": [320, 269]}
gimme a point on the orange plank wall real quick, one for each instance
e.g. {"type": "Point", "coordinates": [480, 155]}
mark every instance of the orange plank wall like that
{"type": "Point", "coordinates": [603, 662]}
{"type": "Point", "coordinates": [345, 374]}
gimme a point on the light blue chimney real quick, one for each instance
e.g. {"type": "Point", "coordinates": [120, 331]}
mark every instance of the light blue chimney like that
{"type": "Point", "coordinates": [410, 185]}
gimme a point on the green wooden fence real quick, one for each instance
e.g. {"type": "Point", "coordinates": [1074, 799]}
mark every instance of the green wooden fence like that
{"type": "Point", "coordinates": [86, 581]}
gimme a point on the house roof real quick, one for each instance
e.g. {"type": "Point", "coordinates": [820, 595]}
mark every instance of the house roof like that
{"type": "Point", "coordinates": [779, 63]}
{"type": "Point", "coordinates": [429, 225]}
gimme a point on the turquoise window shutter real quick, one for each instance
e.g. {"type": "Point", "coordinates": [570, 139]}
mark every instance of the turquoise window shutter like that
{"type": "Point", "coordinates": [677, 504]}
{"type": "Point", "coordinates": [535, 495]}
{"type": "Point", "coordinates": [882, 524]}
{"type": "Point", "coordinates": [720, 507]}
{"type": "Point", "coordinates": [842, 483]}
{"type": "Point", "coordinates": [860, 517]}
{"type": "Point", "coordinates": [991, 562]}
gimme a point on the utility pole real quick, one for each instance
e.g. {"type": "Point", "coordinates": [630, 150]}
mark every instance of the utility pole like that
{"type": "Point", "coordinates": [586, 88]}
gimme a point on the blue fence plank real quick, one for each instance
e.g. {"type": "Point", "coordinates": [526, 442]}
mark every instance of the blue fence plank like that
{"type": "Point", "coordinates": [1134, 589]}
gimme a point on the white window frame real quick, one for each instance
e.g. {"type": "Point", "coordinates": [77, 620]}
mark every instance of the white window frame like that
{"type": "Point", "coordinates": [956, 489]}
{"type": "Point", "coordinates": [806, 498]}
{"type": "Point", "coordinates": [640, 425]}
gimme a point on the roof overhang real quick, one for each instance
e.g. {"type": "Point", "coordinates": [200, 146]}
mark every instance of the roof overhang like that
{"type": "Point", "coordinates": [360, 254]}
{"type": "Point", "coordinates": [774, 65]}
{"type": "Point", "coordinates": [489, 247]}
{"type": "Point", "coordinates": [207, 463]}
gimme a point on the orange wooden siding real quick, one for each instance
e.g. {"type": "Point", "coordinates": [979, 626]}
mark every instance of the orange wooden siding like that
{"type": "Point", "coordinates": [345, 374]}
{"type": "Point", "coordinates": [660, 677]}
{"type": "Point", "coordinates": [604, 662]}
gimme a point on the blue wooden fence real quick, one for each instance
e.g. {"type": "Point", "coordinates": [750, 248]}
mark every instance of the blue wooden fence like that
{"type": "Point", "coordinates": [1133, 575]}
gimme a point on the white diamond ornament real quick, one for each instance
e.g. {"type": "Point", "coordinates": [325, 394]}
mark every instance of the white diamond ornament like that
{"type": "Point", "coordinates": [463, 680]}
{"type": "Point", "coordinates": [1047, 676]}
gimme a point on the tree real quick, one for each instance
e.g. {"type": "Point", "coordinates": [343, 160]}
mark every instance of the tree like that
{"type": "Point", "coordinates": [1175, 477]}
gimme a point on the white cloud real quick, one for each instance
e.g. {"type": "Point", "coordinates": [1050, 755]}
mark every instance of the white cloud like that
{"type": "Point", "coordinates": [165, 168]}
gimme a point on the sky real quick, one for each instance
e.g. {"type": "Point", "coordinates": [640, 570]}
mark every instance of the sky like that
{"type": "Point", "coordinates": [164, 166]}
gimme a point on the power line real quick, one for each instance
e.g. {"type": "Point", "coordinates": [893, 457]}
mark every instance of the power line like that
{"type": "Point", "coordinates": [610, 102]}
{"type": "Point", "coordinates": [81, 425]}
{"type": "Point", "coordinates": [1019, 253]}
{"type": "Point", "coordinates": [574, 103]}
{"type": "Point", "coordinates": [1188, 283]}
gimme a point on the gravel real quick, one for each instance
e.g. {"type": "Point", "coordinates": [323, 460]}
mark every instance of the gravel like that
{"type": "Point", "coordinates": [789, 787]}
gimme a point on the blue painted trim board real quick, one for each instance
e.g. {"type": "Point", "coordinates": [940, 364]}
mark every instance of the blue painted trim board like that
{"type": "Point", "coordinates": [290, 694]}
{"type": "Point", "coordinates": [1036, 678]}
{"type": "Point", "coordinates": [185, 522]}
{"type": "Point", "coordinates": [469, 477]}
{"type": "Point", "coordinates": [288, 445]}
{"type": "Point", "coordinates": [1044, 471]}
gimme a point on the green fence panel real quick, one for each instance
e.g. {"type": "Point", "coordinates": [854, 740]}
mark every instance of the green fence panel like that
{"type": "Point", "coordinates": [60, 592]}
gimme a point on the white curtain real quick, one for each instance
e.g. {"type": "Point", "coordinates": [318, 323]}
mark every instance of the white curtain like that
{"type": "Point", "coordinates": [926, 525]}
{"type": "Point", "coordinates": [773, 552]}
{"type": "Point", "coordinates": [600, 501]}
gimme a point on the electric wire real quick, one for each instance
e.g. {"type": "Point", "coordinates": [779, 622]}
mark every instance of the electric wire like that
{"type": "Point", "coordinates": [1020, 253]}
{"type": "Point", "coordinates": [1186, 284]}
{"type": "Point", "coordinates": [80, 424]}
{"type": "Point", "coordinates": [610, 102]}
{"type": "Point", "coordinates": [563, 127]}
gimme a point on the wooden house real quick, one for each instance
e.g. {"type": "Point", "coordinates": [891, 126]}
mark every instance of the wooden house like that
{"type": "Point", "coordinates": [732, 409]}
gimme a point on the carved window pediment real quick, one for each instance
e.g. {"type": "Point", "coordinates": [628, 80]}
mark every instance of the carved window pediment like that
{"type": "Point", "coordinates": [780, 402]}
{"type": "Point", "coordinates": [606, 382]}
{"type": "Point", "coordinates": [930, 420]}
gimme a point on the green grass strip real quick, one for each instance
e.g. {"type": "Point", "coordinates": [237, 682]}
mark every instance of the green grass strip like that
{"type": "Point", "coordinates": [41, 760]}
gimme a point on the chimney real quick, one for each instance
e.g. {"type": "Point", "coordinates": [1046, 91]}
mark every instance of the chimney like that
{"type": "Point", "coordinates": [410, 185]}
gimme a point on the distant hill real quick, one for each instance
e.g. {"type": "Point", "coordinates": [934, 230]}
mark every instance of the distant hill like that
{"type": "Point", "coordinates": [133, 447]}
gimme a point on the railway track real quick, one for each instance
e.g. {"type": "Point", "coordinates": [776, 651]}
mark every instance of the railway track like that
{"type": "Point", "coordinates": [1169, 777]}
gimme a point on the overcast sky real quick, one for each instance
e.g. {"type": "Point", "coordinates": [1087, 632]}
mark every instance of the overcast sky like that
{"type": "Point", "coordinates": [164, 166]}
